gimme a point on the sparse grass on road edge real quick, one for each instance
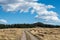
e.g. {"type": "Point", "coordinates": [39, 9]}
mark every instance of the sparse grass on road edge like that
{"type": "Point", "coordinates": [35, 36]}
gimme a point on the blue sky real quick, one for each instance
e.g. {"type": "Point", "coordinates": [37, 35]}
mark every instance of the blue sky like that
{"type": "Point", "coordinates": [30, 11]}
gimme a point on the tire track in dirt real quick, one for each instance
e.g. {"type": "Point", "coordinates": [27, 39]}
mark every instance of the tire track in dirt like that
{"type": "Point", "coordinates": [28, 36]}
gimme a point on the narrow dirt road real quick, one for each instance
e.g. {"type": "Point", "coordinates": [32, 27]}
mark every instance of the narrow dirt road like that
{"type": "Point", "coordinates": [31, 36]}
{"type": "Point", "coordinates": [23, 36]}
{"type": "Point", "coordinates": [28, 36]}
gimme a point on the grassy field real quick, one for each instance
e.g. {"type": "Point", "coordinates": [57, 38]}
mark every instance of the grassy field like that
{"type": "Point", "coordinates": [42, 33]}
{"type": "Point", "coordinates": [46, 33]}
{"type": "Point", "coordinates": [10, 34]}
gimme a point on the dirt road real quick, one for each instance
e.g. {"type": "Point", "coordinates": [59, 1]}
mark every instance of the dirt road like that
{"type": "Point", "coordinates": [23, 36]}
{"type": "Point", "coordinates": [28, 36]}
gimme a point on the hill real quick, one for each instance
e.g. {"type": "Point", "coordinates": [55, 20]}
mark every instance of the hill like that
{"type": "Point", "coordinates": [34, 25]}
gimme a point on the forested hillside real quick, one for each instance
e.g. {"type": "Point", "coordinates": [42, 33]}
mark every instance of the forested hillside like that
{"type": "Point", "coordinates": [38, 24]}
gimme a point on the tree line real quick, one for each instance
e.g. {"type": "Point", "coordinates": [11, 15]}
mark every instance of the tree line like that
{"type": "Point", "coordinates": [38, 24]}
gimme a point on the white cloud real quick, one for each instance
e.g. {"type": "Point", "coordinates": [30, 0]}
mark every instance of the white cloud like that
{"type": "Point", "coordinates": [42, 10]}
{"type": "Point", "coordinates": [49, 15]}
{"type": "Point", "coordinates": [3, 21]}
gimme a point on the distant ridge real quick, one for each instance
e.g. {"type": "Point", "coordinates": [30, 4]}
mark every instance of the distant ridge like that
{"type": "Point", "coordinates": [37, 24]}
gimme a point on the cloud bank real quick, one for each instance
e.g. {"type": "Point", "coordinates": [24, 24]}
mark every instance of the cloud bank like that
{"type": "Point", "coordinates": [3, 21]}
{"type": "Point", "coordinates": [43, 11]}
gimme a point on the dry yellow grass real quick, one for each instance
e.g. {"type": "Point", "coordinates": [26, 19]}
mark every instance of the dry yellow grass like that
{"type": "Point", "coordinates": [10, 34]}
{"type": "Point", "coordinates": [42, 33]}
{"type": "Point", "coordinates": [46, 33]}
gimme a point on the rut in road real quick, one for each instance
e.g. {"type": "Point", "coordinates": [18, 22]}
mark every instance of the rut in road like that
{"type": "Point", "coordinates": [23, 36]}
{"type": "Point", "coordinates": [28, 36]}
{"type": "Point", "coordinates": [31, 36]}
